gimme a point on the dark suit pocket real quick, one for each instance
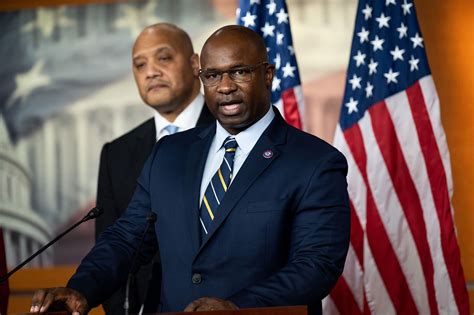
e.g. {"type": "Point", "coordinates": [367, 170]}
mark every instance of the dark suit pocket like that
{"type": "Point", "coordinates": [267, 205]}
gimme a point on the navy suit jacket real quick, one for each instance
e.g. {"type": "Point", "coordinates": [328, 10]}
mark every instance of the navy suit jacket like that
{"type": "Point", "coordinates": [280, 236]}
{"type": "Point", "coordinates": [121, 162]}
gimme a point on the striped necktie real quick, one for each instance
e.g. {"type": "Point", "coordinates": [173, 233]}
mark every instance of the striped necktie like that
{"type": "Point", "coordinates": [217, 187]}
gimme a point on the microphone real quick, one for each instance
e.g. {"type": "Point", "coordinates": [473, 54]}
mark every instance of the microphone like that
{"type": "Point", "coordinates": [150, 220]}
{"type": "Point", "coordinates": [92, 214]}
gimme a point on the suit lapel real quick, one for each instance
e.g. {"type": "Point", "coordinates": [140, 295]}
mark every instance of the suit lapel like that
{"type": "Point", "coordinates": [192, 186]}
{"type": "Point", "coordinates": [255, 164]}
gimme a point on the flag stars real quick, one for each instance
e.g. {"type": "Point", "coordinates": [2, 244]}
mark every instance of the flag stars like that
{"type": "Point", "coordinates": [291, 50]}
{"type": "Point", "coordinates": [355, 82]}
{"type": "Point", "coordinates": [363, 35]}
{"type": "Point", "coordinates": [280, 37]}
{"type": "Point", "coordinates": [254, 2]}
{"type": "Point", "coordinates": [288, 70]}
{"type": "Point", "coordinates": [369, 90]}
{"type": "Point", "coordinates": [402, 31]}
{"type": "Point", "coordinates": [271, 7]}
{"type": "Point", "coordinates": [277, 61]}
{"type": "Point", "coordinates": [406, 7]}
{"type": "Point", "coordinates": [352, 106]}
{"type": "Point", "coordinates": [29, 81]}
{"type": "Point", "coordinates": [267, 30]}
{"type": "Point", "coordinates": [397, 53]}
{"type": "Point", "coordinates": [377, 43]}
{"type": "Point", "coordinates": [388, 2]}
{"type": "Point", "coordinates": [282, 17]}
{"type": "Point", "coordinates": [413, 63]}
{"type": "Point", "coordinates": [391, 76]}
{"type": "Point", "coordinates": [417, 40]}
{"type": "Point", "coordinates": [248, 19]}
{"type": "Point", "coordinates": [359, 58]}
{"type": "Point", "coordinates": [275, 84]}
{"type": "Point", "coordinates": [383, 20]}
{"type": "Point", "coordinates": [367, 11]}
{"type": "Point", "coordinates": [373, 66]}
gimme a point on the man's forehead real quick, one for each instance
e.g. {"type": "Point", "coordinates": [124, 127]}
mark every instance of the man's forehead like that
{"type": "Point", "coordinates": [227, 55]}
{"type": "Point", "coordinates": [151, 49]}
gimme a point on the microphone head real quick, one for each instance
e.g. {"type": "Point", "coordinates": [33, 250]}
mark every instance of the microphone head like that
{"type": "Point", "coordinates": [151, 217]}
{"type": "Point", "coordinates": [94, 213]}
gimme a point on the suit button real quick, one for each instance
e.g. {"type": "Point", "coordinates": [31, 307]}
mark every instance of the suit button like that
{"type": "Point", "coordinates": [196, 278]}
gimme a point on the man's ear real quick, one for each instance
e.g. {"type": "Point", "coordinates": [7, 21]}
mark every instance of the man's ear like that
{"type": "Point", "coordinates": [195, 64]}
{"type": "Point", "coordinates": [269, 73]}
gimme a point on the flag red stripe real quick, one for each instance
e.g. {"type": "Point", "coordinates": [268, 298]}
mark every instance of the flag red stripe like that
{"type": "Point", "coordinates": [357, 236]}
{"type": "Point", "coordinates": [290, 108]}
{"type": "Point", "coordinates": [384, 131]}
{"type": "Point", "coordinates": [366, 305]}
{"type": "Point", "coordinates": [439, 187]}
{"type": "Point", "coordinates": [344, 299]}
{"type": "Point", "coordinates": [382, 250]}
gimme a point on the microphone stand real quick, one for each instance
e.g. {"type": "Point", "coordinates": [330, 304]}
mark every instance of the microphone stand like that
{"type": "Point", "coordinates": [150, 219]}
{"type": "Point", "coordinates": [93, 213]}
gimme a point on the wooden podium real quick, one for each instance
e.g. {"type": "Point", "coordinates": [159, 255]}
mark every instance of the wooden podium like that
{"type": "Point", "coordinates": [283, 310]}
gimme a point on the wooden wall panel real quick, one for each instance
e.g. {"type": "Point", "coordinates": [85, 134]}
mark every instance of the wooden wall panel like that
{"type": "Point", "coordinates": [448, 27]}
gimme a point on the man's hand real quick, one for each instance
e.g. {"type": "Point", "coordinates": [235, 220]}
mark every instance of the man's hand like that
{"type": "Point", "coordinates": [210, 304]}
{"type": "Point", "coordinates": [69, 299]}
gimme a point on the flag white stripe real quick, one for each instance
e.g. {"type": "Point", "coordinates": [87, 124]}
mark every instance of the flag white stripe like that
{"type": "Point", "coordinates": [400, 112]}
{"type": "Point", "coordinates": [329, 307]}
{"type": "Point", "coordinates": [300, 100]}
{"type": "Point", "coordinates": [356, 185]}
{"type": "Point", "coordinates": [377, 296]}
{"type": "Point", "coordinates": [354, 277]}
{"type": "Point", "coordinates": [393, 217]}
{"type": "Point", "coordinates": [432, 105]}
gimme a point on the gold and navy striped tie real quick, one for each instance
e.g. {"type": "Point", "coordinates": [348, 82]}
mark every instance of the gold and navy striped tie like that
{"type": "Point", "coordinates": [217, 187]}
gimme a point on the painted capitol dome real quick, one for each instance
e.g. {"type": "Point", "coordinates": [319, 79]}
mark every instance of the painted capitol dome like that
{"type": "Point", "coordinates": [23, 230]}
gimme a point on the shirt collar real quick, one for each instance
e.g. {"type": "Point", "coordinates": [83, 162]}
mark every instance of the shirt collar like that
{"type": "Point", "coordinates": [187, 119]}
{"type": "Point", "coordinates": [247, 138]}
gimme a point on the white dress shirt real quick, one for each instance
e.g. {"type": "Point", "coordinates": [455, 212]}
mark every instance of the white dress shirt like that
{"type": "Point", "coordinates": [246, 140]}
{"type": "Point", "coordinates": [187, 119]}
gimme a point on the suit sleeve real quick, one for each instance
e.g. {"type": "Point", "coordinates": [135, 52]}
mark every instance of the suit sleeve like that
{"type": "Point", "coordinates": [105, 196]}
{"type": "Point", "coordinates": [319, 243]}
{"type": "Point", "coordinates": [106, 266]}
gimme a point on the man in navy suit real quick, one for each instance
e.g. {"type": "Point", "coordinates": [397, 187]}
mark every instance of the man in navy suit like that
{"type": "Point", "coordinates": [165, 69]}
{"type": "Point", "coordinates": [251, 212]}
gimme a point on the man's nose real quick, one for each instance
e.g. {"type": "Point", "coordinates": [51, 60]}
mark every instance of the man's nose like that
{"type": "Point", "coordinates": [227, 85]}
{"type": "Point", "coordinates": [153, 70]}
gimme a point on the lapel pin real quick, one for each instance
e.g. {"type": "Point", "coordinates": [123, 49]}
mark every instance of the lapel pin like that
{"type": "Point", "coordinates": [268, 154]}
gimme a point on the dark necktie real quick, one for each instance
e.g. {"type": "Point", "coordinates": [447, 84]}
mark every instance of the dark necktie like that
{"type": "Point", "coordinates": [217, 187]}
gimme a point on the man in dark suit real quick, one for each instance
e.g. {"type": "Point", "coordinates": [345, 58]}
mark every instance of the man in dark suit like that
{"type": "Point", "coordinates": [165, 68]}
{"type": "Point", "coordinates": [251, 212]}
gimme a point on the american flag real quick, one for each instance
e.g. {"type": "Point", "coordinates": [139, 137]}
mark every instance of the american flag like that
{"type": "Point", "coordinates": [404, 257]}
{"type": "Point", "coordinates": [269, 18]}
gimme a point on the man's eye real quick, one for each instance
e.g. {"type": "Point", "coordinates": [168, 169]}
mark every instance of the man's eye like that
{"type": "Point", "coordinates": [211, 75]}
{"type": "Point", "coordinates": [139, 66]}
{"type": "Point", "coordinates": [240, 72]}
{"type": "Point", "coordinates": [164, 58]}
